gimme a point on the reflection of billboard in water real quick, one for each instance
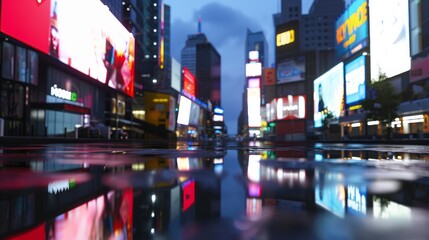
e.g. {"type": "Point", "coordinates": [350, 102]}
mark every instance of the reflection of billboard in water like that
{"type": "Point", "coordinates": [329, 94]}
{"type": "Point", "coordinates": [291, 70]}
{"type": "Point", "coordinates": [329, 192]}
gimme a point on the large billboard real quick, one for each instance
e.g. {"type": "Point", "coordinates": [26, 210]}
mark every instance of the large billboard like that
{"type": "Point", "coordinates": [100, 46]}
{"type": "Point", "coordinates": [286, 108]}
{"type": "Point", "coordinates": [175, 75]}
{"type": "Point", "coordinates": [184, 111]}
{"type": "Point", "coordinates": [390, 40]}
{"type": "Point", "coordinates": [355, 80]}
{"type": "Point", "coordinates": [352, 29]}
{"type": "Point", "coordinates": [189, 83]}
{"type": "Point", "coordinates": [254, 106]}
{"type": "Point", "coordinates": [291, 70]}
{"type": "Point", "coordinates": [328, 94]}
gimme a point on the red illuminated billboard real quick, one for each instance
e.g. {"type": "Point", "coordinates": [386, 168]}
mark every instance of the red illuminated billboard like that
{"type": "Point", "coordinates": [100, 46]}
{"type": "Point", "coordinates": [188, 82]}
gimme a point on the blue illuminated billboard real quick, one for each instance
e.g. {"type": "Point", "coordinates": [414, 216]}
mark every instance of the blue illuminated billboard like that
{"type": "Point", "coordinates": [355, 80]}
{"type": "Point", "coordinates": [352, 29]}
{"type": "Point", "coordinates": [328, 94]}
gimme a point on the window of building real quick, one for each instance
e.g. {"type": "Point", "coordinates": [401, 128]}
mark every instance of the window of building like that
{"type": "Point", "coordinates": [8, 58]}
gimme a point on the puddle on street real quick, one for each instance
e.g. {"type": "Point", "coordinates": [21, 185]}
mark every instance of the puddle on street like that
{"type": "Point", "coordinates": [256, 191]}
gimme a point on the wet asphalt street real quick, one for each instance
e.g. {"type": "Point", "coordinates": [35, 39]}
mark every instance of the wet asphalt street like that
{"type": "Point", "coordinates": [210, 190]}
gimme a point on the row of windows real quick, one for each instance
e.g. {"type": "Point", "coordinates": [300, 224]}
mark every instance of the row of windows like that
{"type": "Point", "coordinates": [19, 64]}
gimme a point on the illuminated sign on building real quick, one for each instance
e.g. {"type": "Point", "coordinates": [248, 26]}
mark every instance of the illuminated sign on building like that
{"type": "Point", "coordinates": [253, 69]}
{"type": "Point", "coordinates": [100, 47]}
{"type": "Point", "coordinates": [285, 38]}
{"type": "Point", "coordinates": [254, 56]}
{"type": "Point", "coordinates": [355, 80]}
{"type": "Point", "coordinates": [328, 94]}
{"type": "Point", "coordinates": [188, 82]}
{"type": "Point", "coordinates": [352, 29]}
{"type": "Point", "coordinates": [253, 83]}
{"type": "Point", "coordinates": [63, 94]}
{"type": "Point", "coordinates": [390, 38]}
{"type": "Point", "coordinates": [254, 107]}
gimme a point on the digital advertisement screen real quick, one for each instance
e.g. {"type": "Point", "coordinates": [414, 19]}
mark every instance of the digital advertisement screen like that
{"type": "Point", "coordinates": [254, 107]}
{"type": "Point", "coordinates": [189, 83]}
{"type": "Point", "coordinates": [253, 69]}
{"type": "Point", "coordinates": [100, 47]}
{"type": "Point", "coordinates": [291, 70]}
{"type": "Point", "coordinates": [290, 107]}
{"type": "Point", "coordinates": [352, 29]}
{"type": "Point", "coordinates": [195, 114]}
{"type": "Point", "coordinates": [184, 111]}
{"type": "Point", "coordinates": [176, 75]}
{"type": "Point", "coordinates": [269, 76]}
{"type": "Point", "coordinates": [390, 40]}
{"type": "Point", "coordinates": [355, 80]}
{"type": "Point", "coordinates": [329, 94]}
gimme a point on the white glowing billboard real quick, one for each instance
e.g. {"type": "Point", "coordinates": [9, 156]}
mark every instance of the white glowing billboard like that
{"type": "Point", "coordinates": [254, 107]}
{"type": "Point", "coordinates": [390, 41]}
{"type": "Point", "coordinates": [184, 110]}
{"type": "Point", "coordinates": [253, 69]}
{"type": "Point", "coordinates": [329, 94]}
{"type": "Point", "coordinates": [176, 75]}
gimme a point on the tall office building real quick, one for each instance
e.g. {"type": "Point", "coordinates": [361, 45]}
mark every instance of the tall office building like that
{"type": "Point", "coordinates": [305, 48]}
{"type": "Point", "coordinates": [204, 61]}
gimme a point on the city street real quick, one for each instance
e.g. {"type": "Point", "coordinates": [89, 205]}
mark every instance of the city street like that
{"type": "Point", "coordinates": [214, 190]}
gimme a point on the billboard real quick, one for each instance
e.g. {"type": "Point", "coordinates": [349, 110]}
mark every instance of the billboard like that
{"type": "Point", "coordinates": [175, 75]}
{"type": "Point", "coordinates": [184, 110]}
{"type": "Point", "coordinates": [269, 76]}
{"type": "Point", "coordinates": [355, 80]}
{"type": "Point", "coordinates": [352, 29]}
{"type": "Point", "coordinates": [254, 107]}
{"type": "Point", "coordinates": [290, 107]}
{"type": "Point", "coordinates": [419, 67]}
{"type": "Point", "coordinates": [390, 40]}
{"type": "Point", "coordinates": [189, 82]}
{"type": "Point", "coordinates": [291, 70]}
{"type": "Point", "coordinates": [253, 69]}
{"type": "Point", "coordinates": [100, 47]}
{"type": "Point", "coordinates": [329, 94]}
{"type": "Point", "coordinates": [287, 39]}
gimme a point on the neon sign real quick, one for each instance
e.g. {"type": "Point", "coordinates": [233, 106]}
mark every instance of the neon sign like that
{"type": "Point", "coordinates": [285, 38]}
{"type": "Point", "coordinates": [63, 94]}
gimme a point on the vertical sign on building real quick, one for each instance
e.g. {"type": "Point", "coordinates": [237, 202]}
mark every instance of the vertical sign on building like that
{"type": "Point", "coordinates": [253, 75]}
{"type": "Point", "coordinates": [188, 83]}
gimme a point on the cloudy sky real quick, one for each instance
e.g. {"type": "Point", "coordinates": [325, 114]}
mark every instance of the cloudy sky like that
{"type": "Point", "coordinates": [225, 22]}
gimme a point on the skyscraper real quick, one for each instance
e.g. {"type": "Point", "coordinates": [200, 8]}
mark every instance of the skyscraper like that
{"type": "Point", "coordinates": [204, 61]}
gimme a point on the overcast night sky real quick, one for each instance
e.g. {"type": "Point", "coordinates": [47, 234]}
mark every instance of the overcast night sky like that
{"type": "Point", "coordinates": [225, 22]}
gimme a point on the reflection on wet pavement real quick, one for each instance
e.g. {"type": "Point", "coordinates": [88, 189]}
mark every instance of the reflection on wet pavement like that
{"type": "Point", "coordinates": [201, 191]}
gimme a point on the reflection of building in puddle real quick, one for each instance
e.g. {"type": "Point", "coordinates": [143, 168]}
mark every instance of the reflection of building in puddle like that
{"type": "Point", "coordinates": [329, 192]}
{"type": "Point", "coordinates": [253, 208]}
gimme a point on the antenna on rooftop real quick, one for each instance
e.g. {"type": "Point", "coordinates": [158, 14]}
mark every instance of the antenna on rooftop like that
{"type": "Point", "coordinates": [199, 24]}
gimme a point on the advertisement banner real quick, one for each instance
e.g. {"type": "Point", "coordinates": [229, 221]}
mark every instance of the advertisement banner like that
{"type": "Point", "coordinates": [188, 82]}
{"type": "Point", "coordinates": [355, 80]}
{"type": "Point", "coordinates": [100, 47]}
{"type": "Point", "coordinates": [291, 70]}
{"type": "Point", "coordinates": [290, 107]}
{"type": "Point", "coordinates": [352, 29]}
{"type": "Point", "coordinates": [328, 94]}
{"type": "Point", "coordinates": [254, 107]}
{"type": "Point", "coordinates": [269, 76]}
{"type": "Point", "coordinates": [176, 75]}
{"type": "Point", "coordinates": [390, 38]}
{"type": "Point", "coordinates": [420, 67]}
